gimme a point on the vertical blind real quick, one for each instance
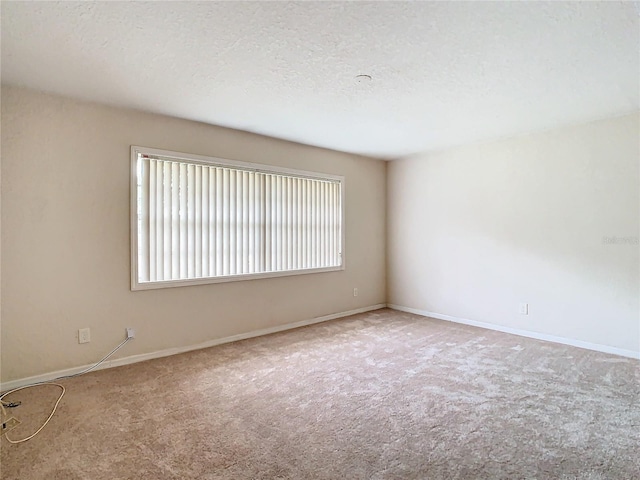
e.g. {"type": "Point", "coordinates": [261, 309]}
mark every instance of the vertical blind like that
{"type": "Point", "coordinates": [205, 221]}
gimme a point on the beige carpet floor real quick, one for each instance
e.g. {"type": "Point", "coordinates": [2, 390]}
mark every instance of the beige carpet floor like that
{"type": "Point", "coordinates": [382, 395]}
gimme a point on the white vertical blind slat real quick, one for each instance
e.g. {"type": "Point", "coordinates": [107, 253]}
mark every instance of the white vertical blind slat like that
{"type": "Point", "coordinates": [263, 227]}
{"type": "Point", "coordinates": [257, 223]}
{"type": "Point", "coordinates": [294, 224]}
{"type": "Point", "coordinates": [303, 223]}
{"type": "Point", "coordinates": [276, 261]}
{"type": "Point", "coordinates": [223, 223]}
{"type": "Point", "coordinates": [268, 230]}
{"type": "Point", "coordinates": [211, 221]}
{"type": "Point", "coordinates": [233, 220]}
{"type": "Point", "coordinates": [166, 220]}
{"type": "Point", "coordinates": [191, 214]}
{"type": "Point", "coordinates": [326, 187]}
{"type": "Point", "coordinates": [339, 218]}
{"type": "Point", "coordinates": [197, 220]}
{"type": "Point", "coordinates": [159, 218]}
{"type": "Point", "coordinates": [175, 221]}
{"type": "Point", "coordinates": [314, 223]}
{"type": "Point", "coordinates": [184, 221]}
{"type": "Point", "coordinates": [322, 222]}
{"type": "Point", "coordinates": [300, 203]}
{"type": "Point", "coordinates": [330, 247]}
{"type": "Point", "coordinates": [238, 213]}
{"type": "Point", "coordinates": [159, 222]}
{"type": "Point", "coordinates": [204, 222]}
{"type": "Point", "coordinates": [245, 222]}
{"type": "Point", "coordinates": [143, 220]}
{"type": "Point", "coordinates": [289, 204]}
{"type": "Point", "coordinates": [307, 224]}
{"type": "Point", "coordinates": [251, 241]}
{"type": "Point", "coordinates": [153, 198]}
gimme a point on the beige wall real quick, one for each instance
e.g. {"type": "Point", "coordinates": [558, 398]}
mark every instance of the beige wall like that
{"type": "Point", "coordinates": [65, 237]}
{"type": "Point", "coordinates": [474, 231]}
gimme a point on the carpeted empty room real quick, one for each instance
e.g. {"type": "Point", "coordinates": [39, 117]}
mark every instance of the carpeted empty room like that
{"type": "Point", "coordinates": [319, 240]}
{"type": "Point", "coordinates": [383, 394]}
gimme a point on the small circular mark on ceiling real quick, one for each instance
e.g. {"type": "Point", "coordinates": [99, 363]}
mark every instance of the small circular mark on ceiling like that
{"type": "Point", "coordinates": [363, 78]}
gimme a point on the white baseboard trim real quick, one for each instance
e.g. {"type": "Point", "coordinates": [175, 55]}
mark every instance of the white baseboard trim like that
{"type": "Point", "coordinates": [523, 333]}
{"type": "Point", "coordinates": [46, 377]}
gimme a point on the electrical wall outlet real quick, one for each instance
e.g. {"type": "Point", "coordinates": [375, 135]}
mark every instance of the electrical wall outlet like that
{"type": "Point", "coordinates": [131, 333]}
{"type": "Point", "coordinates": [355, 292]}
{"type": "Point", "coordinates": [84, 335]}
{"type": "Point", "coordinates": [524, 309]}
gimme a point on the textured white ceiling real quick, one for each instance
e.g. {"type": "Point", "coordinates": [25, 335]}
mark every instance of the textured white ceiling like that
{"type": "Point", "coordinates": [444, 73]}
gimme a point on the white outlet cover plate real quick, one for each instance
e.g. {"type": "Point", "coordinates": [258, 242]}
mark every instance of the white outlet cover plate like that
{"type": "Point", "coordinates": [84, 335]}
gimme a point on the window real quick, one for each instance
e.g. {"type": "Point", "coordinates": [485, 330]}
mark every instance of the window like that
{"type": "Point", "coordinates": [201, 220]}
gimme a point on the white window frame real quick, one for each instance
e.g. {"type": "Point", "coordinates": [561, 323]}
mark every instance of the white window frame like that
{"type": "Point", "coordinates": [205, 160]}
